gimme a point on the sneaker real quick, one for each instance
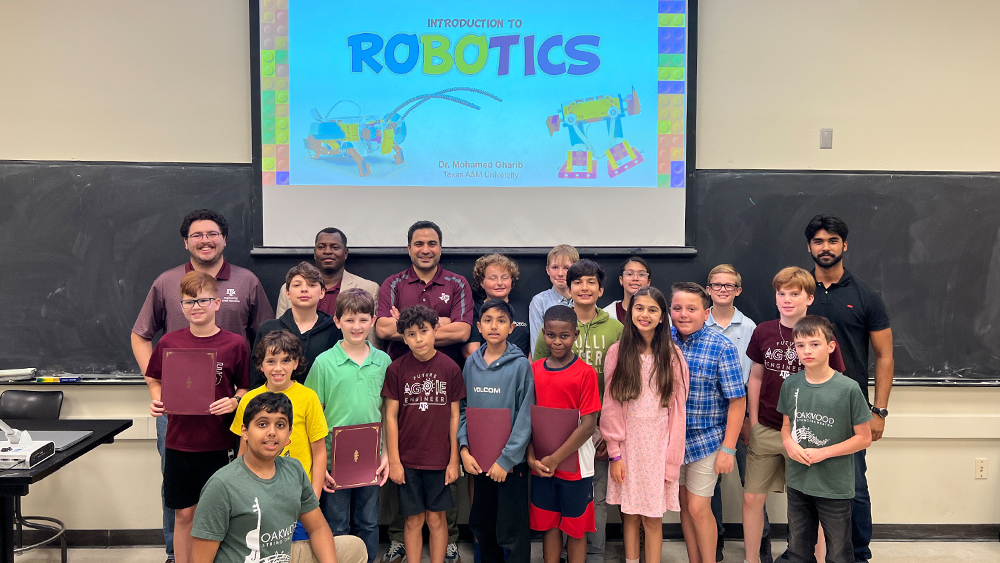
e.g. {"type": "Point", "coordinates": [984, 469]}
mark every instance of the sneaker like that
{"type": "Point", "coordinates": [451, 554]}
{"type": "Point", "coordinates": [765, 550]}
{"type": "Point", "coordinates": [395, 553]}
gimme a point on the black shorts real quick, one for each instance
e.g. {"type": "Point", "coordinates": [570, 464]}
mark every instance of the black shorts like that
{"type": "Point", "coordinates": [185, 473]}
{"type": "Point", "coordinates": [424, 490]}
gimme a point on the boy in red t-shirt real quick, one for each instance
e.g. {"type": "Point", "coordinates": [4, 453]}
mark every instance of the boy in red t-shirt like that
{"type": "Point", "coordinates": [560, 500]}
{"type": "Point", "coordinates": [198, 445]}
{"type": "Point", "coordinates": [772, 351]}
{"type": "Point", "coordinates": [422, 391]}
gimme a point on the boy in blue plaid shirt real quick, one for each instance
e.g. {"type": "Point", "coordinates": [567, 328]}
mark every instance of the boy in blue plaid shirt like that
{"type": "Point", "coordinates": [715, 408]}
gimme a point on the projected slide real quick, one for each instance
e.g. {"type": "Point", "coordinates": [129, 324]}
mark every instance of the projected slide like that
{"type": "Point", "coordinates": [473, 94]}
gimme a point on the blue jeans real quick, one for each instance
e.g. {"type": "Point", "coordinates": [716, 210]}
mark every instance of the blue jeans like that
{"type": "Point", "coordinates": [355, 512]}
{"type": "Point", "coordinates": [861, 511]}
{"type": "Point", "coordinates": [741, 466]}
{"type": "Point", "coordinates": [168, 513]}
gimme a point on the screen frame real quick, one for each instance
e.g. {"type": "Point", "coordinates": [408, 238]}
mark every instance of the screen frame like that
{"type": "Point", "coordinates": [689, 248]}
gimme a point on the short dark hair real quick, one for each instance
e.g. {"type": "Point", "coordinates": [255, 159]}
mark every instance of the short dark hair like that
{"type": "Point", "coordinates": [561, 314]}
{"type": "Point", "coordinates": [354, 300]}
{"type": "Point", "coordinates": [277, 342]}
{"type": "Point", "coordinates": [204, 215]}
{"type": "Point", "coordinates": [269, 402]}
{"type": "Point", "coordinates": [500, 305]}
{"type": "Point", "coordinates": [417, 315]}
{"type": "Point", "coordinates": [332, 231]}
{"type": "Point", "coordinates": [828, 223]}
{"type": "Point", "coordinates": [812, 325]}
{"type": "Point", "coordinates": [308, 271]}
{"type": "Point", "coordinates": [693, 288]}
{"type": "Point", "coordinates": [421, 225]}
{"type": "Point", "coordinates": [637, 260]}
{"type": "Point", "coordinates": [584, 267]}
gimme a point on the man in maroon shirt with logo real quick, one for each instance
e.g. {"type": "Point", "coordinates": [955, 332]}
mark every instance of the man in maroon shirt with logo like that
{"type": "Point", "coordinates": [425, 282]}
{"type": "Point", "coordinates": [244, 306]}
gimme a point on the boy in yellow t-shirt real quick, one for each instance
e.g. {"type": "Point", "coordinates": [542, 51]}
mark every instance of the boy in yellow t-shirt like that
{"type": "Point", "coordinates": [277, 355]}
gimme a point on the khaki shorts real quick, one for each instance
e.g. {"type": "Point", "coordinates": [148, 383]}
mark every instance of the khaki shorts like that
{"type": "Point", "coordinates": [766, 461]}
{"type": "Point", "coordinates": [699, 477]}
{"type": "Point", "coordinates": [350, 549]}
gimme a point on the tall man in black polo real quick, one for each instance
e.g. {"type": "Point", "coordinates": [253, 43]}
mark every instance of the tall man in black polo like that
{"type": "Point", "coordinates": [859, 318]}
{"type": "Point", "coordinates": [425, 282]}
{"type": "Point", "coordinates": [244, 307]}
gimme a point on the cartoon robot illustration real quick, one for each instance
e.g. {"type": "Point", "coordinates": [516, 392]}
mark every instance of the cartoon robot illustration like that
{"type": "Point", "coordinates": [609, 109]}
{"type": "Point", "coordinates": [352, 135]}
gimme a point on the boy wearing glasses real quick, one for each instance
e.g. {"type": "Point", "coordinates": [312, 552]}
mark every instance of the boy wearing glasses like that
{"type": "Point", "coordinates": [724, 285]}
{"type": "Point", "coordinates": [244, 306]}
{"type": "Point", "coordinates": [635, 275]}
{"type": "Point", "coordinates": [198, 445]}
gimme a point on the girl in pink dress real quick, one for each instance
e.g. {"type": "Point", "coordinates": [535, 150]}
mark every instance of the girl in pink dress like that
{"type": "Point", "coordinates": [642, 421]}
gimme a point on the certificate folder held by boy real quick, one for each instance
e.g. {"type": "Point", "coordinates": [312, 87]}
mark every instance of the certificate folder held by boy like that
{"type": "Point", "coordinates": [355, 458]}
{"type": "Point", "coordinates": [489, 431]}
{"type": "Point", "coordinates": [550, 428]}
{"type": "Point", "coordinates": [188, 380]}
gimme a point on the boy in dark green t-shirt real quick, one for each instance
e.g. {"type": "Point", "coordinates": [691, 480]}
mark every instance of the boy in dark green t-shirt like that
{"type": "Point", "coordinates": [248, 509]}
{"type": "Point", "coordinates": [825, 422]}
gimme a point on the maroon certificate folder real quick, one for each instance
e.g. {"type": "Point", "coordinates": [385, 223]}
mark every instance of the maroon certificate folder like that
{"type": "Point", "coordinates": [489, 430]}
{"type": "Point", "coordinates": [550, 428]}
{"type": "Point", "coordinates": [187, 384]}
{"type": "Point", "coordinates": [355, 455]}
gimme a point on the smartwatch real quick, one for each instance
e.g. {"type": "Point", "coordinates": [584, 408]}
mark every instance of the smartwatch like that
{"type": "Point", "coordinates": [881, 412]}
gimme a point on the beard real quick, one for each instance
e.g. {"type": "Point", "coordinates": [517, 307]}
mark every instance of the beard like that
{"type": "Point", "coordinates": [206, 263]}
{"type": "Point", "coordinates": [836, 260]}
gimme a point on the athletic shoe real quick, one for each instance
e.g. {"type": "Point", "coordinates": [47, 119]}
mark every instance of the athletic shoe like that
{"type": "Point", "coordinates": [395, 554]}
{"type": "Point", "coordinates": [451, 554]}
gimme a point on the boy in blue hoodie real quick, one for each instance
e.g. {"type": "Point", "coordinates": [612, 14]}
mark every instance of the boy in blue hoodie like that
{"type": "Point", "coordinates": [498, 375]}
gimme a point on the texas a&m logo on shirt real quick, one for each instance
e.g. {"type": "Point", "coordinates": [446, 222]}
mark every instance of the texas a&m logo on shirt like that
{"type": "Point", "coordinates": [230, 296]}
{"type": "Point", "coordinates": [426, 390]}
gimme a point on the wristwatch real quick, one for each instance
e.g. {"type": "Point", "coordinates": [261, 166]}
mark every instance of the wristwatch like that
{"type": "Point", "coordinates": [881, 412]}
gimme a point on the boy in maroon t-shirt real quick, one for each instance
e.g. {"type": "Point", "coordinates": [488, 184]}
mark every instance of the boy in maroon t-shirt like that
{"type": "Point", "coordinates": [772, 351]}
{"type": "Point", "coordinates": [198, 445]}
{"type": "Point", "coordinates": [422, 389]}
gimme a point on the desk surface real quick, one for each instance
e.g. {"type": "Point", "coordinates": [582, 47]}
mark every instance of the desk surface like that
{"type": "Point", "coordinates": [104, 431]}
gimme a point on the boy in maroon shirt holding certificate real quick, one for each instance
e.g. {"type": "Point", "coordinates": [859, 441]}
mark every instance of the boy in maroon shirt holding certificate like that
{"type": "Point", "coordinates": [198, 445]}
{"type": "Point", "coordinates": [422, 391]}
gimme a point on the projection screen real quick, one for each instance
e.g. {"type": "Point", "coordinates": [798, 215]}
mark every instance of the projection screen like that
{"type": "Point", "coordinates": [513, 125]}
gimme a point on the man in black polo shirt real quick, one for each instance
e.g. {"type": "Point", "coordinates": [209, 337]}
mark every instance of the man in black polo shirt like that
{"type": "Point", "coordinates": [859, 318]}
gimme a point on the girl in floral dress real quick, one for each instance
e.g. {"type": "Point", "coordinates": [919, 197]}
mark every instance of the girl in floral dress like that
{"type": "Point", "coordinates": [642, 421]}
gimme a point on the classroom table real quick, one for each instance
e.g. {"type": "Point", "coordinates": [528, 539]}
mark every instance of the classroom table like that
{"type": "Point", "coordinates": [15, 483]}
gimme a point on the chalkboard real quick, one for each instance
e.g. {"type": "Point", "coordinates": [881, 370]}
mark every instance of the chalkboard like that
{"type": "Point", "coordinates": [82, 242]}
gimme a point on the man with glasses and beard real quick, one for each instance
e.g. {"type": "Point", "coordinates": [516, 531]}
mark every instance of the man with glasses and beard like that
{"type": "Point", "coordinates": [859, 318]}
{"type": "Point", "coordinates": [244, 306]}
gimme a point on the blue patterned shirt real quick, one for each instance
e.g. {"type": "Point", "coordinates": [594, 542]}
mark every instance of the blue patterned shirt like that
{"type": "Point", "coordinates": [716, 377]}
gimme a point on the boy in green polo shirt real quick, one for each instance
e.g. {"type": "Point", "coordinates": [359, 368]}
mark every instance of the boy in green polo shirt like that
{"type": "Point", "coordinates": [348, 379]}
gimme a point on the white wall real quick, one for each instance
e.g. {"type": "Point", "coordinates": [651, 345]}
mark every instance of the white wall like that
{"type": "Point", "coordinates": [905, 84]}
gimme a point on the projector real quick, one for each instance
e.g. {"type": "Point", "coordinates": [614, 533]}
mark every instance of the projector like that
{"type": "Point", "coordinates": [25, 454]}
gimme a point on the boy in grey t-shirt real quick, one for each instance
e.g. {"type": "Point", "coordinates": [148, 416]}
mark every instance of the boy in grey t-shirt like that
{"type": "Point", "coordinates": [248, 509]}
{"type": "Point", "coordinates": [825, 422]}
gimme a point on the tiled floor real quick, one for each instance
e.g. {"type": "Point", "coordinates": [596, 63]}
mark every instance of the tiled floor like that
{"type": "Point", "coordinates": [673, 552]}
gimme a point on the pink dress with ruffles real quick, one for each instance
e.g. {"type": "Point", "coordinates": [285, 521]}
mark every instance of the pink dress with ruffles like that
{"type": "Point", "coordinates": [649, 438]}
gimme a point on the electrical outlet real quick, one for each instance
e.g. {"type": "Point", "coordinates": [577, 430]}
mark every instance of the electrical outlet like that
{"type": "Point", "coordinates": [980, 468]}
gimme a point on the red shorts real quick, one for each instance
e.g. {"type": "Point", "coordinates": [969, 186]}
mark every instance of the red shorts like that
{"type": "Point", "coordinates": [558, 503]}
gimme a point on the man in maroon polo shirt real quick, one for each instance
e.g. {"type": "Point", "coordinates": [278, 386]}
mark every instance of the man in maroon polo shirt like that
{"type": "Point", "coordinates": [244, 306]}
{"type": "Point", "coordinates": [425, 282]}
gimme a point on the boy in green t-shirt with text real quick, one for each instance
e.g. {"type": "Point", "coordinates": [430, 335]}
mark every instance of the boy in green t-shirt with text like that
{"type": "Point", "coordinates": [249, 508]}
{"type": "Point", "coordinates": [825, 422]}
{"type": "Point", "coordinates": [348, 379]}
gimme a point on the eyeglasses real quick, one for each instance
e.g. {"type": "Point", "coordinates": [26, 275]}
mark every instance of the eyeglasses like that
{"type": "Point", "coordinates": [202, 236]}
{"type": "Point", "coordinates": [721, 286]}
{"type": "Point", "coordinates": [203, 302]}
{"type": "Point", "coordinates": [634, 274]}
